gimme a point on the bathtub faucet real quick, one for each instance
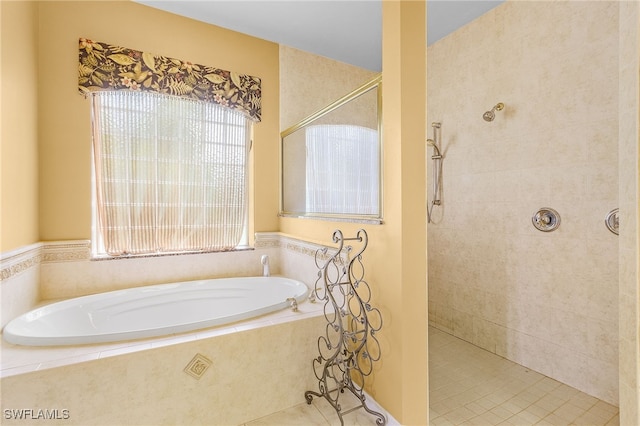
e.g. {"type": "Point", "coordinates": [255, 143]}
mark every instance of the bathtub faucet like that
{"type": "Point", "coordinates": [265, 265]}
{"type": "Point", "coordinates": [293, 303]}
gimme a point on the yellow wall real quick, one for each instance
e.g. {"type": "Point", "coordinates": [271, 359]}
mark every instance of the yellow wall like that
{"type": "Point", "coordinates": [19, 149]}
{"type": "Point", "coordinates": [396, 257]}
{"type": "Point", "coordinates": [64, 120]}
{"type": "Point", "coordinates": [395, 260]}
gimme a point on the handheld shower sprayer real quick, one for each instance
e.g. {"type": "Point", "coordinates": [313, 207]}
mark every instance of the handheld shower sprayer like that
{"type": "Point", "coordinates": [491, 115]}
{"type": "Point", "coordinates": [437, 155]}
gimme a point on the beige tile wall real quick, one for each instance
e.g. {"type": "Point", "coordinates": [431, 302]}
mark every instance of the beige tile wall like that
{"type": "Point", "coordinates": [303, 83]}
{"type": "Point", "coordinates": [548, 301]}
{"type": "Point", "coordinates": [629, 212]}
{"type": "Point", "coordinates": [253, 373]}
{"type": "Point", "coordinates": [20, 274]}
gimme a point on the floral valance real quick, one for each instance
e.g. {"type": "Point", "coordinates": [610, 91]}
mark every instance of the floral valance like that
{"type": "Point", "coordinates": [103, 66]}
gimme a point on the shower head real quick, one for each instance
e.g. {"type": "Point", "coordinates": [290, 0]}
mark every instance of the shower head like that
{"type": "Point", "coordinates": [490, 115]}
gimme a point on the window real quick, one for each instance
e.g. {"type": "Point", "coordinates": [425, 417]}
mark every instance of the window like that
{"type": "Point", "coordinates": [342, 172]}
{"type": "Point", "coordinates": [170, 174]}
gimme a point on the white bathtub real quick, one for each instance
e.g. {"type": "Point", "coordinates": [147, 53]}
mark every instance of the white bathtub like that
{"type": "Point", "coordinates": [151, 311]}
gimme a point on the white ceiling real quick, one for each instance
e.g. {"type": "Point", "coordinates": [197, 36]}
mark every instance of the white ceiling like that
{"type": "Point", "coordinates": [345, 30]}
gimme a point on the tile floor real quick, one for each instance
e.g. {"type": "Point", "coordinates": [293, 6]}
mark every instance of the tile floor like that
{"type": "Point", "coordinates": [470, 386]}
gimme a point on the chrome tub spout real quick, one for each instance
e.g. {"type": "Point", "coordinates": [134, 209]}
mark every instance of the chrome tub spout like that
{"type": "Point", "coordinates": [293, 303]}
{"type": "Point", "coordinates": [265, 265]}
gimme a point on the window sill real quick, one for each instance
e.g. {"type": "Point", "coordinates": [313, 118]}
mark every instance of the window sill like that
{"type": "Point", "coordinates": [100, 257]}
{"type": "Point", "coordinates": [369, 221]}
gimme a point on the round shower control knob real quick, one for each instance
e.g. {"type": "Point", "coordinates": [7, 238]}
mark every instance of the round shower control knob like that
{"type": "Point", "coordinates": [546, 219]}
{"type": "Point", "coordinates": [612, 221]}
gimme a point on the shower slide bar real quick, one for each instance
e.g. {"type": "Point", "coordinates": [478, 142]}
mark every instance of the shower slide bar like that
{"type": "Point", "coordinates": [437, 169]}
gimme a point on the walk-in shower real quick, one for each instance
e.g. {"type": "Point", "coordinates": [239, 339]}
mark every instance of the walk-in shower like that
{"type": "Point", "coordinates": [437, 169]}
{"type": "Point", "coordinates": [491, 115]}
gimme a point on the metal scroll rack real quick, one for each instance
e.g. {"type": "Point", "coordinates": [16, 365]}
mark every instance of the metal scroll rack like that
{"type": "Point", "coordinates": [349, 347]}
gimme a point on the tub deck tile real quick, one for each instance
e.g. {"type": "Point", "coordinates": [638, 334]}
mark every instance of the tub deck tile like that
{"type": "Point", "coordinates": [16, 359]}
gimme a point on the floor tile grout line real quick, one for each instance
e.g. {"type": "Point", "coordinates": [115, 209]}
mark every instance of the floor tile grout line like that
{"type": "Point", "coordinates": [522, 397]}
{"type": "Point", "coordinates": [321, 413]}
{"type": "Point", "coordinates": [514, 397]}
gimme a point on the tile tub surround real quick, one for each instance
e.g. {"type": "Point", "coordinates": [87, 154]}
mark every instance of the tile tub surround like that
{"type": "Point", "coordinates": [20, 275]}
{"type": "Point", "coordinates": [67, 271]}
{"type": "Point", "coordinates": [63, 269]}
{"type": "Point", "coordinates": [548, 301]}
{"type": "Point", "coordinates": [256, 369]}
{"type": "Point", "coordinates": [17, 360]}
{"type": "Point", "coordinates": [81, 378]}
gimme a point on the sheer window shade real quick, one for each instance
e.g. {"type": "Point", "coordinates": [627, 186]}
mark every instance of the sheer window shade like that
{"type": "Point", "coordinates": [170, 174]}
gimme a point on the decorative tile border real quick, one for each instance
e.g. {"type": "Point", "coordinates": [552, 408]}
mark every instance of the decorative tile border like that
{"type": "Point", "coordinates": [310, 249]}
{"type": "Point", "coordinates": [302, 249]}
{"type": "Point", "coordinates": [278, 240]}
{"type": "Point", "coordinates": [267, 239]}
{"type": "Point", "coordinates": [17, 261]}
{"type": "Point", "coordinates": [66, 251]}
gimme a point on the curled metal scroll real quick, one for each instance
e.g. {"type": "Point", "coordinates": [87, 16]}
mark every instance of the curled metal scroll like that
{"type": "Point", "coordinates": [349, 347]}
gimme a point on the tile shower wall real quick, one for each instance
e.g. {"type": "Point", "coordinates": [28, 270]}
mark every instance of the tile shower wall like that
{"type": "Point", "coordinates": [629, 207]}
{"type": "Point", "coordinates": [548, 301]}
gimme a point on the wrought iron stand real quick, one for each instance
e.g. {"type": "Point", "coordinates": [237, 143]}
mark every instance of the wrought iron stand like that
{"type": "Point", "coordinates": [349, 347]}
